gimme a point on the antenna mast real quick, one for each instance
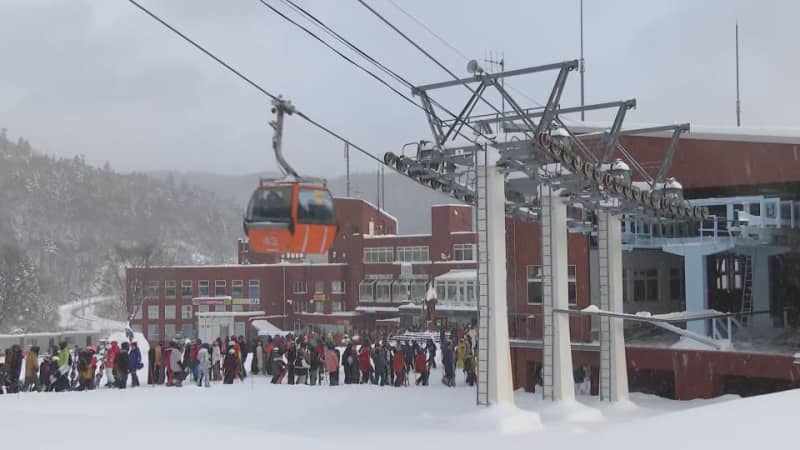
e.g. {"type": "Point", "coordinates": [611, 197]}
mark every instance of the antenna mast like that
{"type": "Point", "coordinates": [738, 102]}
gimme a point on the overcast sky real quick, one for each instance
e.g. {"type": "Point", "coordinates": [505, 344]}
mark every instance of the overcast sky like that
{"type": "Point", "coordinates": [99, 77]}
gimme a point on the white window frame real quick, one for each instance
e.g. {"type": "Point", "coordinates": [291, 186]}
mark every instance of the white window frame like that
{"type": "Point", "coordinates": [337, 287]}
{"type": "Point", "coordinates": [203, 308]}
{"type": "Point", "coordinates": [203, 284]}
{"type": "Point", "coordinates": [378, 255]}
{"type": "Point", "coordinates": [153, 331]}
{"type": "Point", "coordinates": [170, 327]}
{"type": "Point", "coordinates": [368, 287]}
{"type": "Point", "coordinates": [300, 287]}
{"type": "Point", "coordinates": [319, 287]}
{"type": "Point", "coordinates": [220, 284]}
{"type": "Point", "coordinates": [250, 285]}
{"type": "Point", "coordinates": [170, 312]}
{"type": "Point", "coordinates": [237, 284]}
{"type": "Point", "coordinates": [647, 277]}
{"type": "Point", "coordinates": [151, 309]}
{"type": "Point", "coordinates": [460, 250]}
{"type": "Point", "coordinates": [534, 275]}
{"type": "Point", "coordinates": [170, 285]}
{"type": "Point", "coordinates": [186, 312]}
{"type": "Point", "coordinates": [413, 253]}
{"type": "Point", "coordinates": [336, 306]}
{"type": "Point", "coordinates": [153, 289]}
{"type": "Point", "coordinates": [184, 285]}
{"type": "Point", "coordinates": [383, 291]}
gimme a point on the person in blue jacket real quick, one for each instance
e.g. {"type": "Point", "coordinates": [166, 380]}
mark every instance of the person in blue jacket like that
{"type": "Point", "coordinates": [134, 363]}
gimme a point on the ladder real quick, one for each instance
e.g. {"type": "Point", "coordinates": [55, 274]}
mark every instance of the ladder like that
{"type": "Point", "coordinates": [481, 226]}
{"type": "Point", "coordinates": [747, 291]}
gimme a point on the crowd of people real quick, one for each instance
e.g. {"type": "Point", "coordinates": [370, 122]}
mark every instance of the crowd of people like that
{"type": "Point", "coordinates": [309, 359]}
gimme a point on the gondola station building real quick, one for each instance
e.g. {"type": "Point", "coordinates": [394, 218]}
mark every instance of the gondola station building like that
{"type": "Point", "coordinates": [744, 263]}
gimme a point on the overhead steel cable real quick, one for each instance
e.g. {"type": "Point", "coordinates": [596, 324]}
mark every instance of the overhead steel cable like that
{"type": "Point", "coordinates": [335, 50]}
{"type": "Point", "coordinates": [253, 83]}
{"type": "Point", "coordinates": [366, 56]}
{"type": "Point", "coordinates": [424, 52]}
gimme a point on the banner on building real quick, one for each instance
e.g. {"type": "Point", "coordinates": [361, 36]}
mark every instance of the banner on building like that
{"type": "Point", "coordinates": [243, 301]}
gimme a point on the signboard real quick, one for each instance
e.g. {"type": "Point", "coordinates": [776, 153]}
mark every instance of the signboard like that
{"type": "Point", "coordinates": [319, 297]}
{"type": "Point", "coordinates": [243, 301]}
{"type": "Point", "coordinates": [208, 301]}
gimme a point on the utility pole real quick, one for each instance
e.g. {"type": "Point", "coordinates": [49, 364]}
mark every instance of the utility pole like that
{"type": "Point", "coordinates": [502, 64]}
{"type": "Point", "coordinates": [347, 159]}
{"type": "Point", "coordinates": [582, 64]}
{"type": "Point", "coordinates": [738, 103]}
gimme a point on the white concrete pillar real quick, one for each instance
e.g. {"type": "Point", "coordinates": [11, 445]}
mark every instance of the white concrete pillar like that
{"type": "Point", "coordinates": [696, 288]}
{"type": "Point", "coordinates": [558, 380]}
{"type": "Point", "coordinates": [613, 366]}
{"type": "Point", "coordinates": [501, 387]}
{"type": "Point", "coordinates": [495, 384]}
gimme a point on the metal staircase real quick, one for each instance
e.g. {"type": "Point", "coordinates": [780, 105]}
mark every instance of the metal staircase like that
{"type": "Point", "coordinates": [747, 291]}
{"type": "Point", "coordinates": [483, 281]}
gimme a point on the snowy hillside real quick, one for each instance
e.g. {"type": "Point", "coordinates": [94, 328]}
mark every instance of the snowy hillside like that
{"type": "Point", "coordinates": [61, 219]}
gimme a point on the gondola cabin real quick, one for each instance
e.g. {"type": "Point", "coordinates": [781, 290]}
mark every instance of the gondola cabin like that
{"type": "Point", "coordinates": [290, 217]}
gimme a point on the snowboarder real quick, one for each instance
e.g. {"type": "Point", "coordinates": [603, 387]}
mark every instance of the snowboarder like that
{"type": "Point", "coordinates": [203, 365]}
{"type": "Point", "coordinates": [31, 369]}
{"type": "Point", "coordinates": [379, 359]}
{"type": "Point", "coordinates": [332, 365]}
{"type": "Point", "coordinates": [108, 363]}
{"type": "Point", "coordinates": [398, 367]}
{"type": "Point", "coordinates": [278, 366]}
{"type": "Point", "coordinates": [230, 366]}
{"type": "Point", "coordinates": [216, 360]}
{"type": "Point", "coordinates": [364, 362]}
{"type": "Point", "coordinates": [135, 363]}
{"type": "Point", "coordinates": [122, 364]}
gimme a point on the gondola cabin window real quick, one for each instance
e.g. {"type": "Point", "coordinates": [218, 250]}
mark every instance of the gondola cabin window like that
{"type": "Point", "coordinates": [315, 206]}
{"type": "Point", "coordinates": [271, 205]}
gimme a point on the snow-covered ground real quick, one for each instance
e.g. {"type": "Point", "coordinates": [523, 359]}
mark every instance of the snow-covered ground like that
{"type": "Point", "coordinates": [360, 416]}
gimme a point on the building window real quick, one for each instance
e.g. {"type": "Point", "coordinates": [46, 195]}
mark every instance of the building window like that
{"type": "Point", "coordinates": [419, 253]}
{"type": "Point", "coordinates": [378, 255]}
{"type": "Point", "coordinates": [319, 287]}
{"type": "Point", "coordinates": [187, 331]}
{"type": "Point", "coordinates": [219, 288]}
{"type": "Point", "coordinates": [202, 308]}
{"type": "Point", "coordinates": [237, 289]}
{"type": "Point", "coordinates": [319, 307]}
{"type": "Point", "coordinates": [337, 287]}
{"type": "Point", "coordinates": [255, 289]}
{"type": "Point", "coordinates": [626, 291]}
{"type": "Point", "coordinates": [186, 288]}
{"type": "Point", "coordinates": [299, 287]}
{"type": "Point", "coordinates": [645, 285]}
{"type": "Point", "coordinates": [300, 306]}
{"type": "Point", "coordinates": [218, 308]}
{"type": "Point", "coordinates": [572, 284]}
{"type": "Point", "coordinates": [336, 306]}
{"type": "Point", "coordinates": [152, 312]}
{"type": "Point", "coordinates": [383, 291]}
{"type": "Point", "coordinates": [676, 284]}
{"type": "Point", "coordinates": [202, 288]}
{"type": "Point", "coordinates": [239, 328]}
{"type": "Point", "coordinates": [137, 313]}
{"type": "Point", "coordinates": [366, 290]}
{"type": "Point", "coordinates": [137, 328]}
{"type": "Point", "coordinates": [153, 332]}
{"type": "Point", "coordinates": [237, 308]}
{"type": "Point", "coordinates": [169, 312]}
{"type": "Point", "coordinates": [535, 286]}
{"type": "Point", "coordinates": [152, 289]}
{"type": "Point", "coordinates": [186, 312]}
{"type": "Point", "coordinates": [169, 330]}
{"type": "Point", "coordinates": [170, 288]}
{"type": "Point", "coordinates": [464, 252]}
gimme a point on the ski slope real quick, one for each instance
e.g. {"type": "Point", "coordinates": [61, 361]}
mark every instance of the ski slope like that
{"type": "Point", "coordinates": [72, 318]}
{"type": "Point", "coordinates": [256, 413]}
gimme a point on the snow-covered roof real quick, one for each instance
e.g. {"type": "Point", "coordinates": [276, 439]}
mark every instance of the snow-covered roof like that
{"type": "Point", "coordinates": [377, 308]}
{"type": "Point", "coordinates": [266, 328]}
{"type": "Point", "coordinates": [229, 314]}
{"type": "Point", "coordinates": [446, 205]}
{"type": "Point", "coordinates": [390, 320]}
{"type": "Point", "coordinates": [712, 133]}
{"type": "Point", "coordinates": [255, 266]}
{"type": "Point", "coordinates": [458, 274]}
{"type": "Point", "coordinates": [222, 297]}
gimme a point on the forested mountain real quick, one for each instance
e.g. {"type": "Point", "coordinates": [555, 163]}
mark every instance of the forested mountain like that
{"type": "Point", "coordinates": [62, 223]}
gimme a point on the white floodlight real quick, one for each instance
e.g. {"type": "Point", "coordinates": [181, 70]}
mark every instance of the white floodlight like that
{"type": "Point", "coordinates": [473, 67]}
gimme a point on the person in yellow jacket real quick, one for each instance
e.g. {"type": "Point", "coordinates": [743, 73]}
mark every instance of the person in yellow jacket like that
{"type": "Point", "coordinates": [461, 353]}
{"type": "Point", "coordinates": [31, 368]}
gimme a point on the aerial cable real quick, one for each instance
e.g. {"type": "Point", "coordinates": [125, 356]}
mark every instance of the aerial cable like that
{"type": "Point", "coordinates": [253, 83]}
{"type": "Point", "coordinates": [366, 56]}
{"type": "Point", "coordinates": [424, 52]}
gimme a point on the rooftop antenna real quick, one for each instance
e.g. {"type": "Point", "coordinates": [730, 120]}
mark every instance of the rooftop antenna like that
{"type": "Point", "coordinates": [494, 62]}
{"type": "Point", "coordinates": [582, 65]}
{"type": "Point", "coordinates": [738, 102]}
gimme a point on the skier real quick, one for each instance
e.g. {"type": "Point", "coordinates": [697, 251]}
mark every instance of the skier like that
{"type": "Point", "coordinates": [122, 364]}
{"type": "Point", "coordinates": [448, 362]}
{"type": "Point", "coordinates": [230, 366]}
{"type": "Point", "coordinates": [398, 366]}
{"type": "Point", "coordinates": [291, 357]}
{"type": "Point", "coordinates": [135, 363]}
{"type": "Point", "coordinates": [216, 360]}
{"type": "Point", "coordinates": [31, 369]}
{"type": "Point", "coordinates": [314, 365]}
{"type": "Point", "coordinates": [87, 364]}
{"type": "Point", "coordinates": [430, 348]}
{"type": "Point", "coordinates": [364, 362]}
{"type": "Point", "coordinates": [258, 360]}
{"type": "Point", "coordinates": [379, 359]}
{"type": "Point", "coordinates": [108, 363]}
{"type": "Point", "coordinates": [301, 364]}
{"type": "Point", "coordinates": [278, 366]}
{"type": "Point", "coordinates": [332, 365]}
{"type": "Point", "coordinates": [202, 366]}
{"type": "Point", "coordinates": [421, 366]}
{"type": "Point", "coordinates": [174, 367]}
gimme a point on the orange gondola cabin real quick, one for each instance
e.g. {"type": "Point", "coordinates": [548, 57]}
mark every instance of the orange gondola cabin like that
{"type": "Point", "coordinates": [290, 217]}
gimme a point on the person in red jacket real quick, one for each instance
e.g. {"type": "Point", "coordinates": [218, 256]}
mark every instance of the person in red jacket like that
{"type": "Point", "coordinates": [364, 363]}
{"type": "Point", "coordinates": [108, 363]}
{"type": "Point", "coordinates": [398, 366]}
{"type": "Point", "coordinates": [421, 366]}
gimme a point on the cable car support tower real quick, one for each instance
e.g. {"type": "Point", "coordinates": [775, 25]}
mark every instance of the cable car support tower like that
{"type": "Point", "coordinates": [545, 169]}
